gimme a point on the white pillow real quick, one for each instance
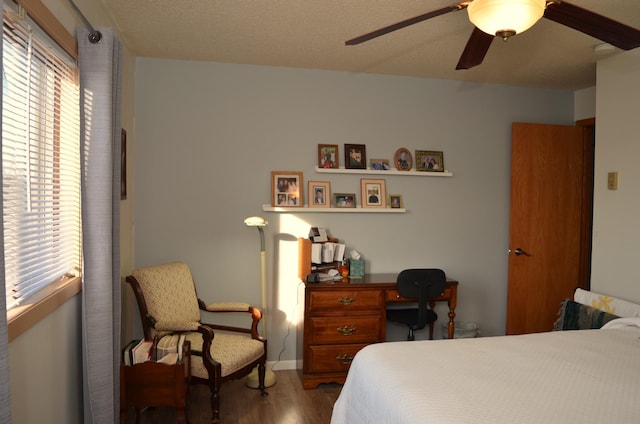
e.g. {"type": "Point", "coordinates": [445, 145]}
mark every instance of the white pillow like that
{"type": "Point", "coordinates": [612, 305]}
{"type": "Point", "coordinates": [630, 323]}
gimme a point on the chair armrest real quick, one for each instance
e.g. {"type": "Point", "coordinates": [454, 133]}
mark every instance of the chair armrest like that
{"type": "Point", "coordinates": [225, 307]}
{"type": "Point", "coordinates": [256, 316]}
{"type": "Point", "coordinates": [212, 366]}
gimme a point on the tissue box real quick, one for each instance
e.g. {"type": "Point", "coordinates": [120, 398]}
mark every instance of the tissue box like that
{"type": "Point", "coordinates": [356, 268]}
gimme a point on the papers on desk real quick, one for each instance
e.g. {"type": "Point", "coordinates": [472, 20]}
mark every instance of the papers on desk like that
{"type": "Point", "coordinates": [327, 252]}
{"type": "Point", "coordinates": [338, 252]}
{"type": "Point", "coordinates": [318, 235]}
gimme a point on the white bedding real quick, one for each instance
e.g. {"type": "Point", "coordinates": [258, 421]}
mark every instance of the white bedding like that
{"type": "Point", "coordinates": [585, 376]}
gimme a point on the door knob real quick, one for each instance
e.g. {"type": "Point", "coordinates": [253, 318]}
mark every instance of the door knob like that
{"type": "Point", "coordinates": [519, 252]}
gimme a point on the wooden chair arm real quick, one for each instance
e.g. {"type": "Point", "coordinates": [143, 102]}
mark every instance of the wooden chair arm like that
{"type": "Point", "coordinates": [207, 338]}
{"type": "Point", "coordinates": [226, 307]}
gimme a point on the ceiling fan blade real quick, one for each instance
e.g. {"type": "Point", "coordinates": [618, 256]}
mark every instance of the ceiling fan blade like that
{"type": "Point", "coordinates": [597, 26]}
{"type": "Point", "coordinates": [475, 50]}
{"type": "Point", "coordinates": [406, 23]}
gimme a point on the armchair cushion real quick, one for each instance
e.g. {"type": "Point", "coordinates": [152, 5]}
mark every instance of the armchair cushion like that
{"type": "Point", "coordinates": [171, 326]}
{"type": "Point", "coordinates": [169, 292]}
{"type": "Point", "coordinates": [233, 352]}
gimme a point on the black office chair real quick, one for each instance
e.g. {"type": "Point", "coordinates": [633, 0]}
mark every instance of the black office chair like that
{"type": "Point", "coordinates": [419, 284]}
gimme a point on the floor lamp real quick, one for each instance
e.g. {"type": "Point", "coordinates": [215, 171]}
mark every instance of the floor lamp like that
{"type": "Point", "coordinates": [260, 223]}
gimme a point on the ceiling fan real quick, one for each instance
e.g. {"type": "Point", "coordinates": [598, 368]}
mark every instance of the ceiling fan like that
{"type": "Point", "coordinates": [506, 18]}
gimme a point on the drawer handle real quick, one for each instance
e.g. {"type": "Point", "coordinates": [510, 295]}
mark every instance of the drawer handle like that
{"type": "Point", "coordinates": [346, 330]}
{"type": "Point", "coordinates": [346, 300]}
{"type": "Point", "coordinates": [345, 358]}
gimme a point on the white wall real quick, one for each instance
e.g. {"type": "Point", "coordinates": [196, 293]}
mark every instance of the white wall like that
{"type": "Point", "coordinates": [616, 231]}
{"type": "Point", "coordinates": [209, 135]}
{"type": "Point", "coordinates": [45, 369]}
{"type": "Point", "coordinates": [585, 103]}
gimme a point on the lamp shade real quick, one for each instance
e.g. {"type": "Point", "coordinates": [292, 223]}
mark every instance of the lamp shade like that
{"type": "Point", "coordinates": [505, 17]}
{"type": "Point", "coordinates": [256, 221]}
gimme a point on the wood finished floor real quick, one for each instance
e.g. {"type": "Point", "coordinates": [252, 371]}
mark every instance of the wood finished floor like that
{"type": "Point", "coordinates": [287, 403]}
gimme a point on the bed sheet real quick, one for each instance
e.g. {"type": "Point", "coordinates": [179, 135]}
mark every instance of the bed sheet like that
{"type": "Point", "coordinates": [586, 376]}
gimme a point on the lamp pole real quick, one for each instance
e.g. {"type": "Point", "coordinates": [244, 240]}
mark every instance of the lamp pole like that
{"type": "Point", "coordinates": [263, 280]}
{"type": "Point", "coordinates": [260, 223]}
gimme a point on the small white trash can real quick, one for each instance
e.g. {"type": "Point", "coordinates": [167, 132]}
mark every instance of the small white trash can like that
{"type": "Point", "coordinates": [463, 330]}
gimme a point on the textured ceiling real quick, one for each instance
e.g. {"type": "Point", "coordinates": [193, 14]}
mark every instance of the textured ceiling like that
{"type": "Point", "coordinates": [311, 34]}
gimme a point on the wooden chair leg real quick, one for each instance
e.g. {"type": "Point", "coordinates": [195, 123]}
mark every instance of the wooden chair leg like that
{"type": "Point", "coordinates": [215, 404]}
{"type": "Point", "coordinates": [181, 415]}
{"type": "Point", "coordinates": [261, 376]}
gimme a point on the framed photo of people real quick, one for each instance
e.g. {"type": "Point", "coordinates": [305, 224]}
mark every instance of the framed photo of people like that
{"type": "Point", "coordinates": [286, 188]}
{"type": "Point", "coordinates": [379, 164]}
{"type": "Point", "coordinates": [319, 194]}
{"type": "Point", "coordinates": [328, 156]}
{"type": "Point", "coordinates": [344, 200]}
{"type": "Point", "coordinates": [373, 193]}
{"type": "Point", "coordinates": [429, 161]}
{"type": "Point", "coordinates": [355, 156]}
{"type": "Point", "coordinates": [403, 159]}
{"type": "Point", "coordinates": [123, 164]}
{"type": "Point", "coordinates": [395, 201]}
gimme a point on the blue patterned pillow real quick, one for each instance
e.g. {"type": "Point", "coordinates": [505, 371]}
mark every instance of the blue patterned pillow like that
{"type": "Point", "coordinates": [576, 316]}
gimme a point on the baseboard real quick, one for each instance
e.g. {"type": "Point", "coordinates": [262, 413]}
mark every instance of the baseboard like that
{"type": "Point", "coordinates": [283, 365]}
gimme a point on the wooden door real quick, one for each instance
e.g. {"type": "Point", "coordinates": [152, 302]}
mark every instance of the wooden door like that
{"type": "Point", "coordinates": [546, 228]}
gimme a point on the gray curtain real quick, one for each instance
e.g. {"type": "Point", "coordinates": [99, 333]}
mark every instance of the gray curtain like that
{"type": "Point", "coordinates": [100, 84]}
{"type": "Point", "coordinates": [5, 393]}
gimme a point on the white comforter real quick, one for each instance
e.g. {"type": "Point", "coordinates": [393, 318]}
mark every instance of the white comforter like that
{"type": "Point", "coordinates": [586, 376]}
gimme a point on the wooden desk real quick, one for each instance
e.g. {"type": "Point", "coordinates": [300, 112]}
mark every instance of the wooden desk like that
{"type": "Point", "coordinates": [341, 318]}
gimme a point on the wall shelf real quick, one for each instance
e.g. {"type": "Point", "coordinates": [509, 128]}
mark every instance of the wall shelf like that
{"type": "Point", "coordinates": [304, 209]}
{"type": "Point", "coordinates": [388, 172]}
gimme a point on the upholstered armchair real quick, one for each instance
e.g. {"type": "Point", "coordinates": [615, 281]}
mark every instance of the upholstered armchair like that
{"type": "Point", "coordinates": [168, 303]}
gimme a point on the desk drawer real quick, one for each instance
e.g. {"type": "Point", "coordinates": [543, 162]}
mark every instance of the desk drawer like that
{"type": "Point", "coordinates": [392, 295]}
{"type": "Point", "coordinates": [345, 299]}
{"type": "Point", "coordinates": [330, 330]}
{"type": "Point", "coordinates": [331, 358]}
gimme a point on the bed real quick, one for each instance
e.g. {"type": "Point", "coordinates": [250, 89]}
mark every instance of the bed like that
{"type": "Point", "coordinates": [573, 376]}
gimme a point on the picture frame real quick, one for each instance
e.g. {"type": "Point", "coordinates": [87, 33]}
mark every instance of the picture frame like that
{"type": "Point", "coordinates": [328, 156]}
{"type": "Point", "coordinates": [373, 193]}
{"type": "Point", "coordinates": [395, 201]}
{"type": "Point", "coordinates": [286, 188]}
{"type": "Point", "coordinates": [403, 160]}
{"type": "Point", "coordinates": [355, 156]}
{"type": "Point", "coordinates": [319, 194]}
{"type": "Point", "coordinates": [379, 164]}
{"type": "Point", "coordinates": [429, 161]}
{"type": "Point", "coordinates": [344, 200]}
{"type": "Point", "coordinates": [123, 164]}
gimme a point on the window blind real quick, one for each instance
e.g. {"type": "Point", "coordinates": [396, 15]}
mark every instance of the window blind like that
{"type": "Point", "coordinates": [40, 160]}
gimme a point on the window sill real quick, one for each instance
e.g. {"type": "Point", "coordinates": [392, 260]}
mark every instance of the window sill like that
{"type": "Point", "coordinates": [23, 317]}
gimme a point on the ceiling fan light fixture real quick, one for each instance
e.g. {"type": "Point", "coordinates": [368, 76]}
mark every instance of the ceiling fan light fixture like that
{"type": "Point", "coordinates": [505, 18]}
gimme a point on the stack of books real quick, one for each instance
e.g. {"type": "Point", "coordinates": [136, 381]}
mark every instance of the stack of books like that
{"type": "Point", "coordinates": [137, 352]}
{"type": "Point", "coordinates": [166, 350]}
{"type": "Point", "coordinates": [169, 348]}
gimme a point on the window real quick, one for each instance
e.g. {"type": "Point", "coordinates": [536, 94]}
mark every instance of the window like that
{"type": "Point", "coordinates": [40, 160]}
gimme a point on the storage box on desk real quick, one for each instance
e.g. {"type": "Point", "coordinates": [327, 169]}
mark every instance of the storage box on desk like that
{"type": "Point", "coordinates": [304, 259]}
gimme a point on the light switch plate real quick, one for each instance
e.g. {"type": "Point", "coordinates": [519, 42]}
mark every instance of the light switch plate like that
{"type": "Point", "coordinates": [612, 180]}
